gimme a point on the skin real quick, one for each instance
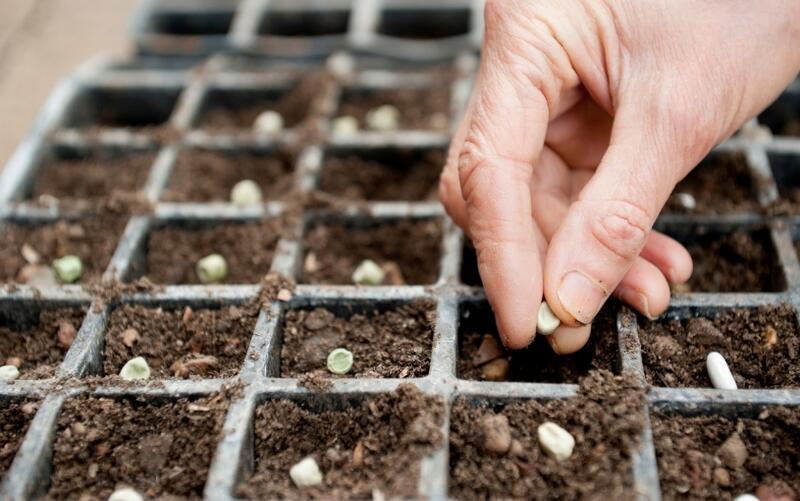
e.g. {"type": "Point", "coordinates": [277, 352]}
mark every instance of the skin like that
{"type": "Point", "coordinates": [584, 116]}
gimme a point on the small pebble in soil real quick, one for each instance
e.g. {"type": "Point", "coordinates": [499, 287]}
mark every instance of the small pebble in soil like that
{"type": "Point", "coordinates": [384, 118]}
{"type": "Point", "coordinates": [547, 322]}
{"type": "Point", "coordinates": [135, 368]}
{"type": "Point", "coordinates": [125, 494]}
{"type": "Point", "coordinates": [685, 200]}
{"type": "Point", "coordinates": [130, 337]}
{"type": "Point", "coordinates": [284, 295]}
{"type": "Point", "coordinates": [344, 126]}
{"type": "Point", "coordinates": [340, 361]}
{"type": "Point", "coordinates": [555, 441]}
{"type": "Point", "coordinates": [368, 273]}
{"type": "Point", "coordinates": [268, 123]}
{"type": "Point", "coordinates": [767, 493]}
{"type": "Point", "coordinates": [719, 372]}
{"type": "Point", "coordinates": [68, 269]}
{"type": "Point", "coordinates": [37, 275]}
{"type": "Point", "coordinates": [496, 370]}
{"type": "Point", "coordinates": [212, 269]}
{"type": "Point", "coordinates": [66, 335]}
{"type": "Point", "coordinates": [8, 373]}
{"type": "Point", "coordinates": [496, 433]}
{"type": "Point", "coordinates": [733, 452]}
{"type": "Point", "coordinates": [15, 361]}
{"type": "Point", "coordinates": [306, 473]}
{"type": "Point", "coordinates": [745, 497]}
{"type": "Point", "coordinates": [246, 192]}
{"type": "Point", "coordinates": [30, 254]}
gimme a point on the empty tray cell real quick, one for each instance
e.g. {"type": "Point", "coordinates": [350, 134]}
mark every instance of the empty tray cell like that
{"type": "Point", "coordinates": [15, 417]}
{"type": "Point", "coordinates": [364, 447]}
{"type": "Point", "coordinates": [304, 23]}
{"type": "Point", "coordinates": [761, 346]}
{"type": "Point", "coordinates": [209, 175]}
{"type": "Point", "coordinates": [80, 177]}
{"type": "Point", "coordinates": [174, 249]}
{"type": "Point", "coordinates": [159, 447]}
{"type": "Point", "coordinates": [419, 108]}
{"type": "Point", "coordinates": [783, 116]}
{"type": "Point", "coordinates": [723, 456]}
{"type": "Point", "coordinates": [386, 174]}
{"type": "Point", "coordinates": [192, 23]}
{"type": "Point", "coordinates": [720, 184]}
{"type": "Point", "coordinates": [424, 24]}
{"type": "Point", "coordinates": [28, 249]}
{"type": "Point", "coordinates": [35, 338]}
{"type": "Point", "coordinates": [181, 342]}
{"type": "Point", "coordinates": [470, 274]}
{"type": "Point", "coordinates": [481, 355]}
{"type": "Point", "coordinates": [408, 250]}
{"type": "Point", "coordinates": [386, 339]}
{"type": "Point", "coordinates": [786, 171]}
{"type": "Point", "coordinates": [734, 260]}
{"type": "Point", "coordinates": [128, 107]}
{"type": "Point", "coordinates": [605, 419]}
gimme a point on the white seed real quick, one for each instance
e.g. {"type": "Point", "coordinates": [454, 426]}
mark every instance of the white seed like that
{"type": "Point", "coordinates": [718, 371]}
{"type": "Point", "coordinates": [745, 497]}
{"type": "Point", "coordinates": [306, 473]}
{"type": "Point", "coordinates": [754, 131]}
{"type": "Point", "coordinates": [212, 269]}
{"type": "Point", "coordinates": [685, 200]}
{"type": "Point", "coordinates": [555, 441]}
{"type": "Point", "coordinates": [8, 373]}
{"type": "Point", "coordinates": [68, 269]}
{"type": "Point", "coordinates": [125, 494]}
{"type": "Point", "coordinates": [547, 321]}
{"type": "Point", "coordinates": [341, 64]}
{"type": "Point", "coordinates": [245, 193]}
{"type": "Point", "coordinates": [268, 123]}
{"type": "Point", "coordinates": [340, 361]}
{"type": "Point", "coordinates": [135, 368]}
{"type": "Point", "coordinates": [344, 126]}
{"type": "Point", "coordinates": [368, 273]}
{"type": "Point", "coordinates": [383, 118]}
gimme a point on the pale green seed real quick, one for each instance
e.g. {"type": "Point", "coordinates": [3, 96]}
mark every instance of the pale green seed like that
{"type": "Point", "coordinates": [340, 361]}
{"type": "Point", "coordinates": [212, 269]}
{"type": "Point", "coordinates": [68, 269]}
{"type": "Point", "coordinates": [8, 373]}
{"type": "Point", "coordinates": [368, 273]}
{"type": "Point", "coordinates": [135, 368]}
{"type": "Point", "coordinates": [246, 193]}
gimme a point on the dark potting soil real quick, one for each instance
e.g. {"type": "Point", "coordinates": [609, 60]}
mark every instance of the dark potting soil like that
{"type": "Point", "coordinates": [393, 342]}
{"type": "Point", "coordinates": [421, 109]}
{"type": "Point", "coordinates": [179, 343]}
{"type": "Point", "coordinates": [411, 246]}
{"type": "Point", "coordinates": [94, 240]}
{"type": "Point", "coordinates": [720, 184]}
{"type": "Point", "coordinates": [405, 175]}
{"type": "Point", "coordinates": [374, 446]}
{"type": "Point", "coordinates": [37, 345]}
{"type": "Point", "coordinates": [85, 180]}
{"type": "Point", "coordinates": [248, 248]}
{"type": "Point", "coordinates": [537, 363]}
{"type": "Point", "coordinates": [208, 176]}
{"type": "Point", "coordinates": [761, 346]}
{"type": "Point", "coordinates": [605, 418]}
{"type": "Point", "coordinates": [159, 448]}
{"type": "Point", "coordinates": [691, 465]}
{"type": "Point", "coordinates": [15, 417]}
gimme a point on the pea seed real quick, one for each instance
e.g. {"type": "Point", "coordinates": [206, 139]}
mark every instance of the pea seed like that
{"type": "Point", "coordinates": [340, 361]}
{"type": "Point", "coordinates": [135, 368]}
{"type": "Point", "coordinates": [212, 269]}
{"type": "Point", "coordinates": [68, 269]}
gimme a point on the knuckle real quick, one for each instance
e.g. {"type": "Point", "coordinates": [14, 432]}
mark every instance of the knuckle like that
{"type": "Point", "coordinates": [621, 227]}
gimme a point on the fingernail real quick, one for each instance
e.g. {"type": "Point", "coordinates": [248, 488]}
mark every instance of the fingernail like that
{"type": "Point", "coordinates": [581, 296]}
{"type": "Point", "coordinates": [636, 299]}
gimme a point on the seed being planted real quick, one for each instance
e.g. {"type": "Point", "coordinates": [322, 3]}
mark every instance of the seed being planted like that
{"type": "Point", "coordinates": [547, 322]}
{"type": "Point", "coordinates": [745, 497]}
{"type": "Point", "coordinates": [8, 373]}
{"type": "Point", "coordinates": [125, 494]}
{"type": "Point", "coordinates": [344, 126]}
{"type": "Point", "coordinates": [212, 269]}
{"type": "Point", "coordinates": [15, 361]}
{"type": "Point", "coordinates": [368, 273]}
{"type": "Point", "coordinates": [488, 350]}
{"type": "Point", "coordinates": [733, 452]}
{"type": "Point", "coordinates": [306, 473]}
{"type": "Point", "coordinates": [66, 335]}
{"type": "Point", "coordinates": [246, 193]}
{"type": "Point", "coordinates": [393, 274]}
{"type": "Point", "coordinates": [496, 433]}
{"type": "Point", "coordinates": [268, 123]}
{"type": "Point", "coordinates": [68, 269]}
{"type": "Point", "coordinates": [496, 370]}
{"type": "Point", "coordinates": [135, 368]}
{"type": "Point", "coordinates": [199, 365]}
{"type": "Point", "coordinates": [555, 441]}
{"type": "Point", "coordinates": [718, 371]}
{"type": "Point", "coordinates": [340, 361]}
{"type": "Point", "coordinates": [383, 118]}
{"type": "Point", "coordinates": [685, 200]}
{"type": "Point", "coordinates": [130, 337]}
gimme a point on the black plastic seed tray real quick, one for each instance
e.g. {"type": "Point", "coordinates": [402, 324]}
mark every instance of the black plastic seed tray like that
{"type": "Point", "coordinates": [149, 107]}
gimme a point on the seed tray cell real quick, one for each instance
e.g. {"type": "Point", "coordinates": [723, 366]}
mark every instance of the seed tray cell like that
{"type": "Point", "coordinates": [783, 116]}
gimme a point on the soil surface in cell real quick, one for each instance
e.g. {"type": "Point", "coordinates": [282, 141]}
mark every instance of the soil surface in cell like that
{"type": "Point", "coordinates": [719, 184]}
{"type": "Point", "coordinates": [248, 248]}
{"type": "Point", "coordinates": [404, 175]}
{"type": "Point", "coordinates": [161, 449]}
{"type": "Point", "coordinates": [605, 419]}
{"type": "Point", "coordinates": [420, 109]}
{"type": "Point", "coordinates": [367, 449]}
{"type": "Point", "coordinates": [37, 350]}
{"type": "Point", "coordinates": [481, 354]}
{"type": "Point", "coordinates": [408, 251]}
{"type": "Point", "coordinates": [390, 343]}
{"type": "Point", "coordinates": [761, 346]}
{"type": "Point", "coordinates": [83, 181]}
{"type": "Point", "coordinates": [761, 455]}
{"type": "Point", "coordinates": [732, 262]}
{"type": "Point", "coordinates": [179, 343]}
{"type": "Point", "coordinates": [92, 240]}
{"type": "Point", "coordinates": [15, 417]}
{"type": "Point", "coordinates": [208, 176]}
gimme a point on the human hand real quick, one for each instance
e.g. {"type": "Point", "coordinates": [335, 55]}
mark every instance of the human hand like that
{"type": "Point", "coordinates": [584, 116]}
